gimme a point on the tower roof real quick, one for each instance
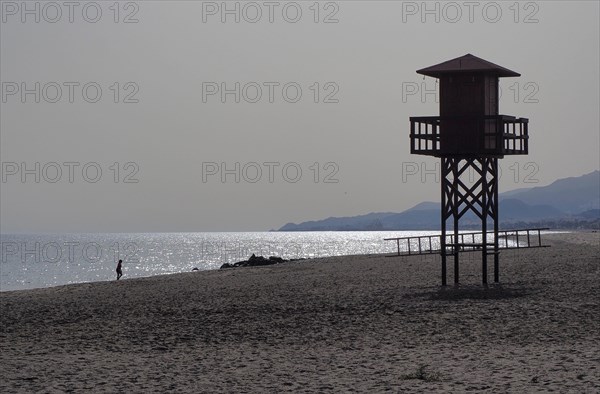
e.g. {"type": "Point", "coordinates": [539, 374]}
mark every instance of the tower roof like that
{"type": "Point", "coordinates": [467, 63]}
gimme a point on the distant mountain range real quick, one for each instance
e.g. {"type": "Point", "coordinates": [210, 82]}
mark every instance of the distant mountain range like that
{"type": "Point", "coordinates": [566, 203]}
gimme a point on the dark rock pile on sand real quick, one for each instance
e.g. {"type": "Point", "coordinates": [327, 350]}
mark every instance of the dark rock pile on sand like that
{"type": "Point", "coordinates": [255, 261]}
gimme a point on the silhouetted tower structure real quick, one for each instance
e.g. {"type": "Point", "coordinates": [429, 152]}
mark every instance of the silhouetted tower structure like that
{"type": "Point", "coordinates": [469, 136]}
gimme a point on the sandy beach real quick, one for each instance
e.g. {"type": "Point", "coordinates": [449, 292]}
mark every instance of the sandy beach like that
{"type": "Point", "coordinates": [341, 324]}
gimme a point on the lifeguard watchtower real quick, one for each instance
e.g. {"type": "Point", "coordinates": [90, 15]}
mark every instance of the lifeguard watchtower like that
{"type": "Point", "coordinates": [469, 136]}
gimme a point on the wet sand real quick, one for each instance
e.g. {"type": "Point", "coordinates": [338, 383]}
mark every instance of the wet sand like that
{"type": "Point", "coordinates": [342, 324]}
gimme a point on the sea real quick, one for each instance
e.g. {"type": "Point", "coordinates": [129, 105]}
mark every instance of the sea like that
{"type": "Point", "coordinates": [44, 260]}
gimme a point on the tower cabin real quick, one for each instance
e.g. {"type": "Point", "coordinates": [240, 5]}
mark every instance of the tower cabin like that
{"type": "Point", "coordinates": [469, 125]}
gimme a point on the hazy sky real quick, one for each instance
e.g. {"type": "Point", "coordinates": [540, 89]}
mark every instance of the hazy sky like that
{"type": "Point", "coordinates": [173, 132]}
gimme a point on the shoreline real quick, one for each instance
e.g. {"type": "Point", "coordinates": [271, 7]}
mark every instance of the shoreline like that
{"type": "Point", "coordinates": [348, 323]}
{"type": "Point", "coordinates": [550, 233]}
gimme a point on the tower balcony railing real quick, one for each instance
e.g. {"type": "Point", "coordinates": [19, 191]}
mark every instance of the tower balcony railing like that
{"type": "Point", "coordinates": [469, 136]}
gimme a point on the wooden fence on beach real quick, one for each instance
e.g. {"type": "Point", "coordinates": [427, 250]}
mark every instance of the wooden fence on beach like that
{"type": "Point", "coordinates": [469, 242]}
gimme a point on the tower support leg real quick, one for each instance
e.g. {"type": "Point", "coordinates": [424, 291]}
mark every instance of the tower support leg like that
{"type": "Point", "coordinates": [484, 206]}
{"type": "Point", "coordinates": [444, 217]}
{"type": "Point", "coordinates": [496, 218]}
{"type": "Point", "coordinates": [460, 196]}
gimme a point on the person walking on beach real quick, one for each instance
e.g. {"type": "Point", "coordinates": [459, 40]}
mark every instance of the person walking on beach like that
{"type": "Point", "coordinates": [119, 270]}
